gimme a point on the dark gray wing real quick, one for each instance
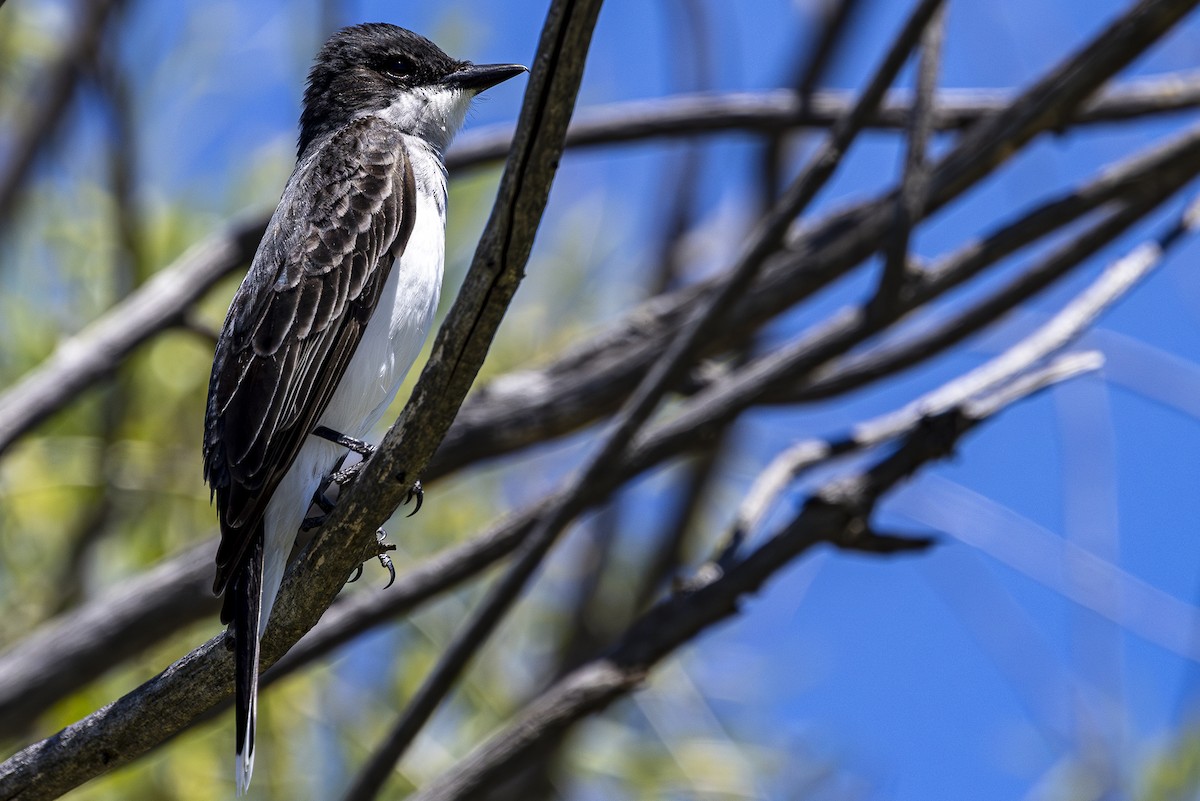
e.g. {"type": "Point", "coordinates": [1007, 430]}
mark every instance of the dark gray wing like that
{"type": "Point", "coordinates": [298, 317]}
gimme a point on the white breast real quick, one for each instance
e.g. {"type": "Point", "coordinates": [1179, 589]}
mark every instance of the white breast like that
{"type": "Point", "coordinates": [394, 336]}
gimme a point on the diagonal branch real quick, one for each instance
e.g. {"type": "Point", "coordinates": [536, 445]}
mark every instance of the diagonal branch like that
{"type": "Point", "coordinates": [1055, 98]}
{"type": "Point", "coordinates": [764, 241]}
{"type": "Point", "coordinates": [98, 349]}
{"type": "Point", "coordinates": [914, 185]}
{"type": "Point", "coordinates": [837, 514]}
{"type": "Point", "coordinates": [54, 98]}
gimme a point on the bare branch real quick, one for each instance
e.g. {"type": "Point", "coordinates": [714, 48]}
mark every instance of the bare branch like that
{"type": "Point", "coordinates": [914, 185]}
{"type": "Point", "coordinates": [891, 357]}
{"type": "Point", "coordinates": [779, 110]}
{"type": "Point", "coordinates": [95, 352]}
{"type": "Point", "coordinates": [1113, 284]}
{"type": "Point", "coordinates": [1053, 100]}
{"type": "Point", "coordinates": [837, 515]}
{"type": "Point", "coordinates": [836, 16]}
{"type": "Point", "coordinates": [54, 97]}
{"type": "Point", "coordinates": [765, 240]}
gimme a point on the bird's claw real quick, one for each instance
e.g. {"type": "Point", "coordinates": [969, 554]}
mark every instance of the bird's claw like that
{"type": "Point", "coordinates": [382, 555]}
{"type": "Point", "coordinates": [415, 491]}
{"type": "Point", "coordinates": [342, 477]}
{"type": "Point", "coordinates": [384, 559]}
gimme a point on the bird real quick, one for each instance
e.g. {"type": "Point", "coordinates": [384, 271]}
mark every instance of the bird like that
{"type": "Point", "coordinates": [332, 313]}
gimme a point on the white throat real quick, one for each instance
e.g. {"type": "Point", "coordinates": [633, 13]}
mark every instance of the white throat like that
{"type": "Point", "coordinates": [433, 113]}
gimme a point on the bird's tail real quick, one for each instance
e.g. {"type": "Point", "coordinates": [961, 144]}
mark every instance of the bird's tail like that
{"type": "Point", "coordinates": [245, 607]}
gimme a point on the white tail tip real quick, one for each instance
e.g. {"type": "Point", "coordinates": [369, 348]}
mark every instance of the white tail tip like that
{"type": "Point", "coordinates": [244, 769]}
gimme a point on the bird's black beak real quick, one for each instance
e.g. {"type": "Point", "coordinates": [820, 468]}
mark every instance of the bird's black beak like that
{"type": "Point", "coordinates": [477, 77]}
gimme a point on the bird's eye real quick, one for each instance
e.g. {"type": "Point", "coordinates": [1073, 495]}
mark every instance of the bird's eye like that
{"type": "Point", "coordinates": [397, 68]}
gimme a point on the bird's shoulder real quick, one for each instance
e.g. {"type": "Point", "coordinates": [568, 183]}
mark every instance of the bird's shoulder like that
{"type": "Point", "coordinates": [344, 207]}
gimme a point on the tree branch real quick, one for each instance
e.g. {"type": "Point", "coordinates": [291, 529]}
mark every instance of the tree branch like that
{"type": "Point", "coordinates": [765, 240]}
{"type": "Point", "coordinates": [1113, 284]}
{"type": "Point", "coordinates": [837, 514]}
{"type": "Point", "coordinates": [687, 116]}
{"type": "Point", "coordinates": [54, 97]}
{"type": "Point", "coordinates": [914, 185]}
{"type": "Point", "coordinates": [98, 349]}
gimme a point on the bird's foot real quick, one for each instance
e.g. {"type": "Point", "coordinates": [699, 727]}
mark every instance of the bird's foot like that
{"type": "Point", "coordinates": [363, 449]}
{"type": "Point", "coordinates": [383, 547]}
{"type": "Point", "coordinates": [344, 477]}
{"type": "Point", "coordinates": [415, 491]}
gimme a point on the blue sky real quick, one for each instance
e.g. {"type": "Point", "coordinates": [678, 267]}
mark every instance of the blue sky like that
{"type": "Point", "coordinates": [949, 675]}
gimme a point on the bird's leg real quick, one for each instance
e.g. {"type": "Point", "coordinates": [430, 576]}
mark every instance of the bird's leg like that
{"type": "Point", "coordinates": [340, 477]}
{"type": "Point", "coordinates": [321, 500]}
{"type": "Point", "coordinates": [349, 443]}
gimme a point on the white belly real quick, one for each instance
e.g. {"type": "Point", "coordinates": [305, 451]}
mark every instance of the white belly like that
{"type": "Point", "coordinates": [390, 344]}
{"type": "Point", "coordinates": [394, 336]}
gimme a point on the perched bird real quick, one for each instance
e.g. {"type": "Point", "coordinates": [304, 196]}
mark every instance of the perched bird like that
{"type": "Point", "coordinates": [336, 305]}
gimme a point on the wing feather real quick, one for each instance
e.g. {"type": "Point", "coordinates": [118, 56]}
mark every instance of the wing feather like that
{"type": "Point", "coordinates": [298, 317]}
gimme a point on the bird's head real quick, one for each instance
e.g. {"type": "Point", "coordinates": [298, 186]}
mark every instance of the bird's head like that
{"type": "Point", "coordinates": [376, 68]}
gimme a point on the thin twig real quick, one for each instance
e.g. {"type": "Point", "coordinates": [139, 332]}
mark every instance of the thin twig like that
{"type": "Point", "coordinates": [836, 16]}
{"type": "Point", "coordinates": [914, 184]}
{"type": "Point", "coordinates": [705, 114]}
{"type": "Point", "coordinates": [1114, 283]}
{"type": "Point", "coordinates": [1055, 98]}
{"type": "Point", "coordinates": [53, 99]}
{"type": "Point", "coordinates": [458, 352]}
{"type": "Point", "coordinates": [814, 55]}
{"type": "Point", "coordinates": [893, 357]}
